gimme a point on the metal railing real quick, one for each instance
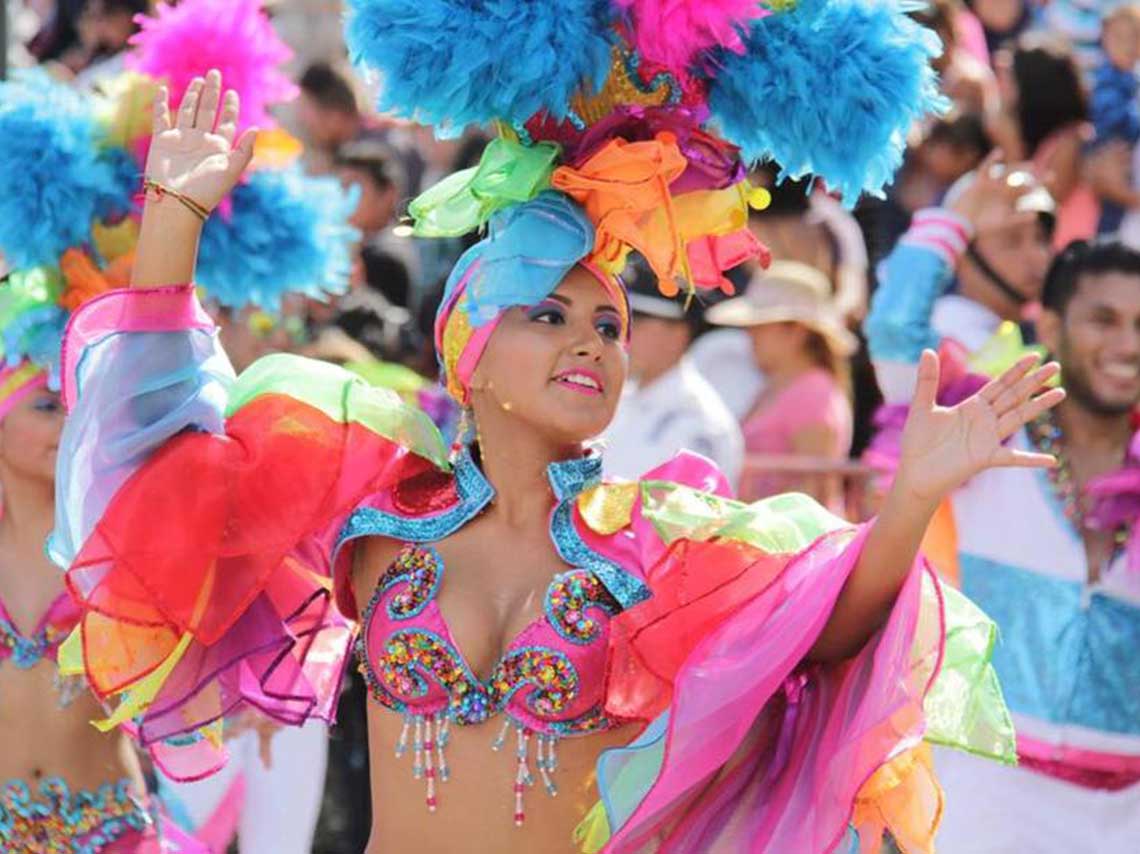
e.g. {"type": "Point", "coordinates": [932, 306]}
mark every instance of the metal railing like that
{"type": "Point", "coordinates": [856, 483]}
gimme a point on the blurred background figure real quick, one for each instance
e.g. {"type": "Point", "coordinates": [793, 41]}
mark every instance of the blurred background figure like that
{"type": "Point", "coordinates": [801, 347]}
{"type": "Point", "coordinates": [328, 113]}
{"type": "Point", "coordinates": [967, 78]}
{"type": "Point", "coordinates": [52, 29]}
{"type": "Point", "coordinates": [106, 27]}
{"type": "Point", "coordinates": [250, 333]}
{"type": "Point", "coordinates": [1001, 21]}
{"type": "Point", "coordinates": [939, 155]}
{"type": "Point", "coordinates": [1044, 121]}
{"type": "Point", "coordinates": [313, 29]}
{"type": "Point", "coordinates": [798, 225]}
{"type": "Point", "coordinates": [1114, 110]}
{"type": "Point", "coordinates": [667, 405]}
{"type": "Point", "coordinates": [374, 170]}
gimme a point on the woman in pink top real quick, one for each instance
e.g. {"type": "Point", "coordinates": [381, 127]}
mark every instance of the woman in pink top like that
{"type": "Point", "coordinates": [801, 347]}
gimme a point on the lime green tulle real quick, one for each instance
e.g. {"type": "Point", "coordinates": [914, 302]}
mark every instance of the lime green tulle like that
{"type": "Point", "coordinates": [965, 708]}
{"type": "Point", "coordinates": [593, 832]}
{"type": "Point", "coordinates": [343, 397]}
{"type": "Point", "coordinates": [508, 173]}
{"type": "Point", "coordinates": [390, 375]}
{"type": "Point", "coordinates": [1001, 352]}
{"type": "Point", "coordinates": [779, 525]}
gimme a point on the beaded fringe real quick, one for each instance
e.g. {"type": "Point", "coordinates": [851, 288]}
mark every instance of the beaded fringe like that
{"type": "Point", "coordinates": [429, 735]}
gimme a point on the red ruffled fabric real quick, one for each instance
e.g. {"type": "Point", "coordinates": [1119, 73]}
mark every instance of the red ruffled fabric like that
{"type": "Point", "coordinates": [227, 555]}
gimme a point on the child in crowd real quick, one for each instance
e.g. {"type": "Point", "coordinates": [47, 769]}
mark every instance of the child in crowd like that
{"type": "Point", "coordinates": [1114, 111]}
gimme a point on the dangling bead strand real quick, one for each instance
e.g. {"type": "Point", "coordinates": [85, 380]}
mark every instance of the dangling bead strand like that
{"type": "Point", "coordinates": [501, 738]}
{"type": "Point", "coordinates": [429, 735]}
{"type": "Point", "coordinates": [442, 733]}
{"type": "Point", "coordinates": [545, 762]}
{"type": "Point", "coordinates": [418, 750]}
{"type": "Point", "coordinates": [551, 756]}
{"type": "Point", "coordinates": [402, 741]}
{"type": "Point", "coordinates": [522, 776]}
{"type": "Point", "coordinates": [429, 767]}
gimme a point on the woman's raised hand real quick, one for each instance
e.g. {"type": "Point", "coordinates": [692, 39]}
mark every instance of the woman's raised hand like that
{"type": "Point", "coordinates": [942, 447]}
{"type": "Point", "coordinates": [193, 152]}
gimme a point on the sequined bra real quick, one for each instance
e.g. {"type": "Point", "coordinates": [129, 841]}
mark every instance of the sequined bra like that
{"type": "Point", "coordinates": [55, 625]}
{"type": "Point", "coordinates": [549, 682]}
{"type": "Point", "coordinates": [26, 651]}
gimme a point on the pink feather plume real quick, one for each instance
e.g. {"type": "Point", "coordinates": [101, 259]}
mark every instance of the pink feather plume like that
{"type": "Point", "coordinates": [179, 43]}
{"type": "Point", "coordinates": [674, 32]}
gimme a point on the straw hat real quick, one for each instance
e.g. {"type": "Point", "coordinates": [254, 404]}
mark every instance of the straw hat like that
{"type": "Point", "coordinates": [787, 291]}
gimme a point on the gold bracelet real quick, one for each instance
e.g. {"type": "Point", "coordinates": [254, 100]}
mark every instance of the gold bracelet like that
{"type": "Point", "coordinates": [161, 190]}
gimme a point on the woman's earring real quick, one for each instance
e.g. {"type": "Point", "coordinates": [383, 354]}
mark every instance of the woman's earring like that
{"type": "Point", "coordinates": [463, 431]}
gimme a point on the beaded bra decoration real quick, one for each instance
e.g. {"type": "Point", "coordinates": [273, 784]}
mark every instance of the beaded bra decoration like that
{"type": "Point", "coordinates": [26, 652]}
{"type": "Point", "coordinates": [549, 682]}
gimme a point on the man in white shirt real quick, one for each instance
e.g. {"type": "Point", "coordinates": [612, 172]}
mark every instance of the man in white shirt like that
{"type": "Point", "coordinates": [667, 406]}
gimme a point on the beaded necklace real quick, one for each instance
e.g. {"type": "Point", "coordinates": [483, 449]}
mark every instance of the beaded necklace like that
{"type": "Point", "coordinates": [1046, 437]}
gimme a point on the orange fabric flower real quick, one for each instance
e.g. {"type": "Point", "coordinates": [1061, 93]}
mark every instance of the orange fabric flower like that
{"type": "Point", "coordinates": [84, 280]}
{"type": "Point", "coordinates": [904, 798]}
{"type": "Point", "coordinates": [688, 240]}
{"type": "Point", "coordinates": [624, 187]}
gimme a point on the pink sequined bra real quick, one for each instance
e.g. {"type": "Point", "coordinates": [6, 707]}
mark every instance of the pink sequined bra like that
{"type": "Point", "coordinates": [549, 683]}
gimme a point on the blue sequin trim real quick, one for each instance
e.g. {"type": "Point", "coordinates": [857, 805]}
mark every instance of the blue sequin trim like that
{"type": "Point", "coordinates": [588, 723]}
{"type": "Point", "coordinates": [83, 829]}
{"type": "Point", "coordinates": [632, 61]}
{"type": "Point", "coordinates": [570, 478]}
{"type": "Point", "coordinates": [475, 493]}
{"type": "Point", "coordinates": [627, 589]}
{"type": "Point", "coordinates": [523, 134]}
{"type": "Point", "coordinates": [577, 121]}
{"type": "Point", "coordinates": [478, 700]}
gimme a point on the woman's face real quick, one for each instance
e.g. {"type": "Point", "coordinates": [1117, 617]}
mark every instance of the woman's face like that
{"type": "Point", "coordinates": [558, 366]}
{"type": "Point", "coordinates": [999, 16]}
{"type": "Point", "coordinates": [774, 343]}
{"type": "Point", "coordinates": [29, 436]}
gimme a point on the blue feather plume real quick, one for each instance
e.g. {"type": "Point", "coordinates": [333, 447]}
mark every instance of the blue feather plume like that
{"type": "Point", "coordinates": [57, 176]}
{"type": "Point", "coordinates": [829, 88]}
{"type": "Point", "coordinates": [452, 63]}
{"type": "Point", "coordinates": [287, 233]}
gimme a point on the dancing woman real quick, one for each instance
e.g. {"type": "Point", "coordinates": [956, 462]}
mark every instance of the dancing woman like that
{"type": "Point", "coordinates": [64, 786]}
{"type": "Point", "coordinates": [718, 674]}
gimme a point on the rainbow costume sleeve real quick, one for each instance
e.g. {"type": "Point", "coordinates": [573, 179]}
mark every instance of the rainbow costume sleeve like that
{"type": "Point", "coordinates": [195, 514]}
{"type": "Point", "coordinates": [747, 747]}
